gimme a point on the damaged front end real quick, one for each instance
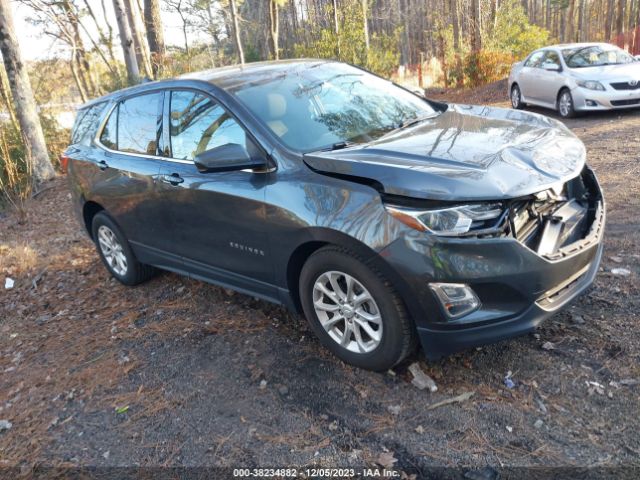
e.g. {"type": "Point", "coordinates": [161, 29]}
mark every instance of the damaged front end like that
{"type": "Point", "coordinates": [559, 221]}
{"type": "Point", "coordinates": [553, 223]}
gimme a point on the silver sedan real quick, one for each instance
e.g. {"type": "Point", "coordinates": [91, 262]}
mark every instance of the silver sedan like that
{"type": "Point", "coordinates": [576, 77]}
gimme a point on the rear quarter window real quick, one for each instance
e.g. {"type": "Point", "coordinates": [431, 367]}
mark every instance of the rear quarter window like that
{"type": "Point", "coordinates": [86, 122]}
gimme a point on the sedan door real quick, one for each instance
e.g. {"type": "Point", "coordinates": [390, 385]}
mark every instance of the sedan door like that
{"type": "Point", "coordinates": [527, 76]}
{"type": "Point", "coordinates": [549, 78]}
{"type": "Point", "coordinates": [219, 218]}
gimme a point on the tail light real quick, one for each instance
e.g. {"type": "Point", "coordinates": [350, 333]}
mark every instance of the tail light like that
{"type": "Point", "coordinates": [64, 163]}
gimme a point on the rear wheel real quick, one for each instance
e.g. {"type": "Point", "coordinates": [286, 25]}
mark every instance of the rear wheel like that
{"type": "Point", "coordinates": [565, 104]}
{"type": "Point", "coordinates": [116, 253]}
{"type": "Point", "coordinates": [354, 310]}
{"type": "Point", "coordinates": [516, 97]}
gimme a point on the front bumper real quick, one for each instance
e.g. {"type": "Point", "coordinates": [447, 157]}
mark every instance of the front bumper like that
{"type": "Point", "coordinates": [594, 100]}
{"type": "Point", "coordinates": [518, 287]}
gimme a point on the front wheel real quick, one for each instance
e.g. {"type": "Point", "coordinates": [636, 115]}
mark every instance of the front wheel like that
{"type": "Point", "coordinates": [354, 310]}
{"type": "Point", "coordinates": [565, 104]}
{"type": "Point", "coordinates": [516, 97]}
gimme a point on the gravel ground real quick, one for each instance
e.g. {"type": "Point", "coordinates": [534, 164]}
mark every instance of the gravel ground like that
{"type": "Point", "coordinates": [180, 373]}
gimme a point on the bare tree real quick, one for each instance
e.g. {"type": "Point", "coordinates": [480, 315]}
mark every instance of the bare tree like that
{"type": "Point", "coordinates": [22, 94]}
{"type": "Point", "coordinates": [5, 97]}
{"type": "Point", "coordinates": [155, 37]}
{"type": "Point", "coordinates": [126, 40]}
{"type": "Point", "coordinates": [236, 30]}
{"type": "Point", "coordinates": [139, 42]}
{"type": "Point", "coordinates": [365, 12]}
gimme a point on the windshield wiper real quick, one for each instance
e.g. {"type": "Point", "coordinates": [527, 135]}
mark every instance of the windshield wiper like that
{"type": "Point", "coordinates": [341, 145]}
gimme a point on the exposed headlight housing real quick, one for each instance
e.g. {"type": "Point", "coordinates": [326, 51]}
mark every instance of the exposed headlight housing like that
{"type": "Point", "coordinates": [590, 84]}
{"type": "Point", "coordinates": [451, 221]}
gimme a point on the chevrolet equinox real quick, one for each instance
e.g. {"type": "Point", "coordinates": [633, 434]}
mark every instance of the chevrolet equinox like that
{"type": "Point", "coordinates": [385, 218]}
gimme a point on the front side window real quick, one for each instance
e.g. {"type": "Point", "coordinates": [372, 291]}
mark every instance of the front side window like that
{"type": "Point", "coordinates": [551, 58]}
{"type": "Point", "coordinates": [595, 56]}
{"type": "Point", "coordinates": [535, 60]}
{"type": "Point", "coordinates": [312, 107]}
{"type": "Point", "coordinates": [138, 124]}
{"type": "Point", "coordinates": [198, 123]}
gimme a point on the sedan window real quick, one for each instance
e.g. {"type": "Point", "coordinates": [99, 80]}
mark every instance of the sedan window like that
{"type": "Point", "coordinates": [198, 124]}
{"type": "Point", "coordinates": [551, 58]}
{"type": "Point", "coordinates": [595, 56]}
{"type": "Point", "coordinates": [535, 60]}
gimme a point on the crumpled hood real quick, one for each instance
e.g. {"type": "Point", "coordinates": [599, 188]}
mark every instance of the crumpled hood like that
{"type": "Point", "coordinates": [464, 153]}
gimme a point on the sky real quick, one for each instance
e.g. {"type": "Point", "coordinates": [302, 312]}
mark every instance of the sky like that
{"type": "Point", "coordinates": [36, 45]}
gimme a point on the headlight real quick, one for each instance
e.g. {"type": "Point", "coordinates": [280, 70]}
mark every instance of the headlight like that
{"type": "Point", "coordinates": [590, 84]}
{"type": "Point", "coordinates": [449, 221]}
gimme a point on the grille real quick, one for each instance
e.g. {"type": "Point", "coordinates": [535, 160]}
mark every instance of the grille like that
{"type": "Point", "coordinates": [625, 85]}
{"type": "Point", "coordinates": [621, 103]}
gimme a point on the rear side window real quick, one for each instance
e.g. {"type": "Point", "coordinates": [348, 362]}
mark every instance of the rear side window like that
{"type": "Point", "coordinates": [134, 125]}
{"type": "Point", "coordinates": [198, 124]}
{"type": "Point", "coordinates": [86, 122]}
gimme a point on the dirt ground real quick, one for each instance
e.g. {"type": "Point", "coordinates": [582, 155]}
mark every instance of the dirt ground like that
{"type": "Point", "coordinates": [176, 372]}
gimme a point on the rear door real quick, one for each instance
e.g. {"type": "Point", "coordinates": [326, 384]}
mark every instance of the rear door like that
{"type": "Point", "coordinates": [218, 219]}
{"type": "Point", "coordinates": [129, 164]}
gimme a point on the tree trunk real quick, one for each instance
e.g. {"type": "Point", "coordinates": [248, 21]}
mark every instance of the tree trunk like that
{"type": "Point", "coordinates": [580, 32]}
{"type": "Point", "coordinates": [570, 20]}
{"type": "Point", "coordinates": [620, 20]}
{"type": "Point", "coordinates": [126, 40]}
{"type": "Point", "coordinates": [365, 8]}
{"type": "Point", "coordinates": [5, 96]}
{"type": "Point", "coordinates": [336, 27]}
{"type": "Point", "coordinates": [22, 94]}
{"type": "Point", "coordinates": [456, 42]}
{"type": "Point", "coordinates": [609, 20]}
{"type": "Point", "coordinates": [153, 23]}
{"type": "Point", "coordinates": [138, 38]}
{"type": "Point", "coordinates": [274, 27]}
{"type": "Point", "coordinates": [236, 30]}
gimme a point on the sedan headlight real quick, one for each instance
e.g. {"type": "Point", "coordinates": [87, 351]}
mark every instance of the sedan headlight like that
{"type": "Point", "coordinates": [451, 220]}
{"type": "Point", "coordinates": [590, 84]}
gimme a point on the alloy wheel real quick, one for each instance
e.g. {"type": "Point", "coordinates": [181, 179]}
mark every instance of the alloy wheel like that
{"type": "Point", "coordinates": [515, 97]}
{"type": "Point", "coordinates": [112, 250]}
{"type": "Point", "coordinates": [347, 312]}
{"type": "Point", "coordinates": [564, 104]}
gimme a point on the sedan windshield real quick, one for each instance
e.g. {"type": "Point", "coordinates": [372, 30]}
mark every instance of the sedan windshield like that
{"type": "Point", "coordinates": [595, 56]}
{"type": "Point", "coordinates": [316, 106]}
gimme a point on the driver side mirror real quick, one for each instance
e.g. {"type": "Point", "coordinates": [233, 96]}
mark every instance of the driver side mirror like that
{"type": "Point", "coordinates": [226, 158]}
{"type": "Point", "coordinates": [551, 67]}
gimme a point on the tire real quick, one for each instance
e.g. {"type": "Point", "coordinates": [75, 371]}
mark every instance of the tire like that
{"type": "Point", "coordinates": [565, 104]}
{"type": "Point", "coordinates": [122, 265]}
{"type": "Point", "coordinates": [392, 336]}
{"type": "Point", "coordinates": [516, 97]}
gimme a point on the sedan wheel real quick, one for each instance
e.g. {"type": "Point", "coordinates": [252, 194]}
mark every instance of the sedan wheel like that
{"type": "Point", "coordinates": [565, 104]}
{"type": "Point", "coordinates": [347, 312]}
{"type": "Point", "coordinates": [516, 97]}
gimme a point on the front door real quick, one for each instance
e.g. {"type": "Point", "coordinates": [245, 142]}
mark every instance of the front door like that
{"type": "Point", "coordinates": [218, 219]}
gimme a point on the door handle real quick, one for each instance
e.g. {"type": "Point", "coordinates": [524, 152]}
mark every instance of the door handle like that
{"type": "Point", "coordinates": [102, 165]}
{"type": "Point", "coordinates": [173, 179]}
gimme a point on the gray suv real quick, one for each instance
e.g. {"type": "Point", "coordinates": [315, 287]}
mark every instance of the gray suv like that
{"type": "Point", "coordinates": [387, 219]}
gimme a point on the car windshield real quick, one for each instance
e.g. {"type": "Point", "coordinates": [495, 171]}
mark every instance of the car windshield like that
{"type": "Point", "coordinates": [316, 106]}
{"type": "Point", "coordinates": [595, 56]}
